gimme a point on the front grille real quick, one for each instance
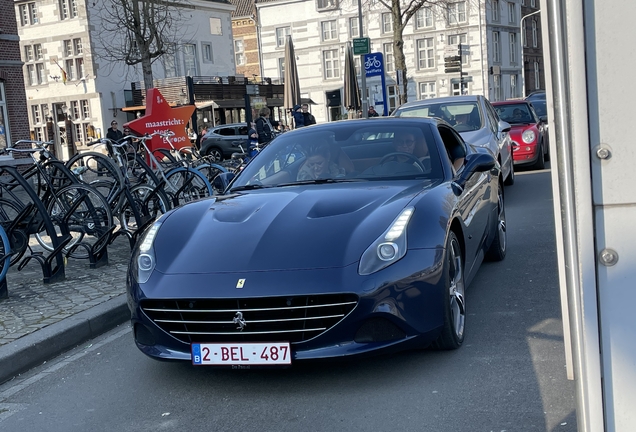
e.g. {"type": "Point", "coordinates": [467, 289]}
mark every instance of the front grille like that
{"type": "Point", "coordinates": [267, 319]}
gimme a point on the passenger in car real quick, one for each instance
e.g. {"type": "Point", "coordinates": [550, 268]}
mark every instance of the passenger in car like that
{"type": "Point", "coordinates": [318, 164]}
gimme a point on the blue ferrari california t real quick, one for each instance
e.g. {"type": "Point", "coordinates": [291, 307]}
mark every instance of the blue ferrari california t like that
{"type": "Point", "coordinates": [339, 239]}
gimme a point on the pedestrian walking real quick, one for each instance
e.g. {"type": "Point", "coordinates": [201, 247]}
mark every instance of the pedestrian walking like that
{"type": "Point", "coordinates": [264, 128]}
{"type": "Point", "coordinates": [299, 118]}
{"type": "Point", "coordinates": [113, 133]}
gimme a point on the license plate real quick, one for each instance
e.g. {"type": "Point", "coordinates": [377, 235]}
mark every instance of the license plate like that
{"type": "Point", "coordinates": [241, 354]}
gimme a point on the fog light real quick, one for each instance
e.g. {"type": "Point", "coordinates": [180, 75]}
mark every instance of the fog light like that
{"type": "Point", "coordinates": [528, 148]}
{"type": "Point", "coordinates": [143, 335]}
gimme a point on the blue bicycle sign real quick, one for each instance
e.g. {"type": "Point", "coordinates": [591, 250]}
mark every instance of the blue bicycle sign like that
{"type": "Point", "coordinates": [374, 64]}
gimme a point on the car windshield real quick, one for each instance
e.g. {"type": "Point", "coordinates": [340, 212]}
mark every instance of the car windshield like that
{"type": "Point", "coordinates": [515, 113]}
{"type": "Point", "coordinates": [463, 116]}
{"type": "Point", "coordinates": [356, 151]}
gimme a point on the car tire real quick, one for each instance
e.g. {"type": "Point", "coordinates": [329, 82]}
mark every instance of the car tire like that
{"type": "Point", "coordinates": [452, 335]}
{"type": "Point", "coordinates": [540, 163]}
{"type": "Point", "coordinates": [216, 153]}
{"type": "Point", "coordinates": [547, 154]}
{"type": "Point", "coordinates": [498, 247]}
{"type": "Point", "coordinates": [510, 180]}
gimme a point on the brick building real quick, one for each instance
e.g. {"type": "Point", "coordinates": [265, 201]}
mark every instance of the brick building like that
{"type": "Point", "coordinates": [533, 65]}
{"type": "Point", "coordinates": [246, 43]}
{"type": "Point", "coordinates": [14, 122]}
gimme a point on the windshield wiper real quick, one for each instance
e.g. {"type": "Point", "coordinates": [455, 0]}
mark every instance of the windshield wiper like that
{"type": "Point", "coordinates": [321, 181]}
{"type": "Point", "coordinates": [249, 187]}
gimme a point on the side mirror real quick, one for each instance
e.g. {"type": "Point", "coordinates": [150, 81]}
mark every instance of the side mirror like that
{"type": "Point", "coordinates": [222, 181]}
{"type": "Point", "coordinates": [504, 126]}
{"type": "Point", "coordinates": [544, 119]}
{"type": "Point", "coordinates": [475, 162]}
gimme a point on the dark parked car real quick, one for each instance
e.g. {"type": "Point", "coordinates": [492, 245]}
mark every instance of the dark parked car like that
{"type": "Point", "coordinates": [529, 132]}
{"type": "Point", "coordinates": [476, 121]}
{"type": "Point", "coordinates": [328, 244]}
{"type": "Point", "coordinates": [223, 140]}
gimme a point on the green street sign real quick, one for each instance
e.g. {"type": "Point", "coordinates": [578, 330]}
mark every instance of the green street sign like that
{"type": "Point", "coordinates": [361, 46]}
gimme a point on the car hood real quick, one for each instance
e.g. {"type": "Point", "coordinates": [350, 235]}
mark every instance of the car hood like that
{"type": "Point", "coordinates": [299, 227]}
{"type": "Point", "coordinates": [518, 129]}
{"type": "Point", "coordinates": [480, 138]}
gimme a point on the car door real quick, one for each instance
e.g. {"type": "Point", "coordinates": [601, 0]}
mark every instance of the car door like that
{"type": "Point", "coordinates": [473, 204]}
{"type": "Point", "coordinates": [503, 140]}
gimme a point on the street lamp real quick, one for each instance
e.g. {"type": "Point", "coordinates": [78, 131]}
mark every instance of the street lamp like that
{"type": "Point", "coordinates": [523, 64]}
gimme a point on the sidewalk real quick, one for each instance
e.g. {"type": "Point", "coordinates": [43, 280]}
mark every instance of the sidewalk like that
{"type": "Point", "coordinates": [38, 322]}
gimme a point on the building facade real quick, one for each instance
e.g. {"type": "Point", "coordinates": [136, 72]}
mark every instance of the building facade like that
{"type": "Point", "coordinates": [75, 90]}
{"type": "Point", "coordinates": [488, 30]}
{"type": "Point", "coordinates": [13, 107]}
{"type": "Point", "coordinates": [246, 43]}
{"type": "Point", "coordinates": [533, 65]}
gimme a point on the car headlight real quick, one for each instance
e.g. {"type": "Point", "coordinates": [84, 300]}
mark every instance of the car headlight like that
{"type": "Point", "coordinates": [390, 247]}
{"type": "Point", "coordinates": [143, 260]}
{"type": "Point", "coordinates": [528, 136]}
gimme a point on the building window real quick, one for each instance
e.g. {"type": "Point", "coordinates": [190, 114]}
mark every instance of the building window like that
{"type": "Point", "coordinates": [68, 48]}
{"type": "Point", "coordinates": [389, 60]}
{"type": "Point", "coordinates": [331, 64]}
{"type": "Point", "coordinates": [427, 90]}
{"type": "Point", "coordinates": [34, 59]}
{"type": "Point", "coordinates": [329, 30]}
{"type": "Point", "coordinates": [513, 86]}
{"type": "Point", "coordinates": [459, 39]}
{"type": "Point", "coordinates": [353, 27]}
{"type": "Point", "coordinates": [28, 14]}
{"type": "Point", "coordinates": [86, 112]}
{"type": "Point", "coordinates": [170, 63]}
{"type": "Point", "coordinates": [207, 53]}
{"type": "Point", "coordinates": [387, 22]}
{"type": "Point", "coordinates": [523, 2]}
{"type": "Point", "coordinates": [281, 34]}
{"type": "Point", "coordinates": [68, 9]}
{"type": "Point", "coordinates": [537, 78]}
{"type": "Point", "coordinates": [35, 113]}
{"type": "Point", "coordinates": [392, 96]}
{"type": "Point", "coordinates": [513, 48]}
{"type": "Point", "coordinates": [281, 68]}
{"type": "Point", "coordinates": [524, 39]}
{"type": "Point", "coordinates": [77, 47]}
{"type": "Point", "coordinates": [5, 136]}
{"type": "Point", "coordinates": [533, 3]}
{"type": "Point", "coordinates": [239, 52]}
{"type": "Point", "coordinates": [535, 34]}
{"type": "Point", "coordinates": [356, 62]}
{"type": "Point", "coordinates": [497, 86]}
{"type": "Point", "coordinates": [496, 55]}
{"type": "Point", "coordinates": [512, 16]}
{"type": "Point", "coordinates": [495, 10]}
{"type": "Point", "coordinates": [326, 4]}
{"type": "Point", "coordinates": [425, 53]}
{"type": "Point", "coordinates": [424, 18]}
{"type": "Point", "coordinates": [190, 59]}
{"type": "Point", "coordinates": [457, 13]}
{"type": "Point", "coordinates": [75, 109]}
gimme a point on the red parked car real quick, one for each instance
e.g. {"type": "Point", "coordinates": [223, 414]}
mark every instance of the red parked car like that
{"type": "Point", "coordinates": [529, 133]}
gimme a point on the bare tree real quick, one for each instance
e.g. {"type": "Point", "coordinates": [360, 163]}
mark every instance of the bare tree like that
{"type": "Point", "coordinates": [401, 12]}
{"type": "Point", "coordinates": [139, 32]}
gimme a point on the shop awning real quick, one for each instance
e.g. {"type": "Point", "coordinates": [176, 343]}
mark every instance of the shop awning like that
{"type": "Point", "coordinates": [206, 104]}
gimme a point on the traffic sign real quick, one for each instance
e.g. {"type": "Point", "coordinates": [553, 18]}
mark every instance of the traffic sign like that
{"type": "Point", "coordinates": [453, 64]}
{"type": "Point", "coordinates": [361, 46]}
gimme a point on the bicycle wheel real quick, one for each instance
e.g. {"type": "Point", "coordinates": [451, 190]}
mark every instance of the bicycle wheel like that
{"type": "Point", "coordinates": [97, 169]}
{"type": "Point", "coordinates": [185, 185]}
{"type": "Point", "coordinates": [148, 202]}
{"type": "Point", "coordinates": [138, 171]}
{"type": "Point", "coordinates": [82, 211]}
{"type": "Point", "coordinates": [5, 253]}
{"type": "Point", "coordinates": [210, 171]}
{"type": "Point", "coordinates": [18, 237]}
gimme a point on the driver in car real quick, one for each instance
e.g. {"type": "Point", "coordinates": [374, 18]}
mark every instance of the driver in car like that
{"type": "Point", "coordinates": [406, 142]}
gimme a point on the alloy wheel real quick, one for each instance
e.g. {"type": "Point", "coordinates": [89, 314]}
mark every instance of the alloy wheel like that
{"type": "Point", "coordinates": [456, 290]}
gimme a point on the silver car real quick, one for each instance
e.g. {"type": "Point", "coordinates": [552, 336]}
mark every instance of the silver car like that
{"type": "Point", "coordinates": [476, 121]}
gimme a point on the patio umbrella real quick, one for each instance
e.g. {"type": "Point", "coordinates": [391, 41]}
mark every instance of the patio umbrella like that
{"type": "Point", "coordinates": [351, 89]}
{"type": "Point", "coordinates": [291, 87]}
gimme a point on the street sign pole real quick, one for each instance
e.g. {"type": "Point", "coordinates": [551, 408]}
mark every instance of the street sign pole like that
{"type": "Point", "coordinates": [363, 86]}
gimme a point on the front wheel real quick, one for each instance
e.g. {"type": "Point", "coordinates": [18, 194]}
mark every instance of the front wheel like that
{"type": "Point", "coordinates": [452, 335]}
{"type": "Point", "coordinates": [510, 180]}
{"type": "Point", "coordinates": [497, 250]}
{"type": "Point", "coordinates": [540, 163]}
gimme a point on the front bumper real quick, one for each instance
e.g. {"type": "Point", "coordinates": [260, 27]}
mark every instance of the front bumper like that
{"type": "Point", "coordinates": [521, 156]}
{"type": "Point", "coordinates": [398, 307]}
